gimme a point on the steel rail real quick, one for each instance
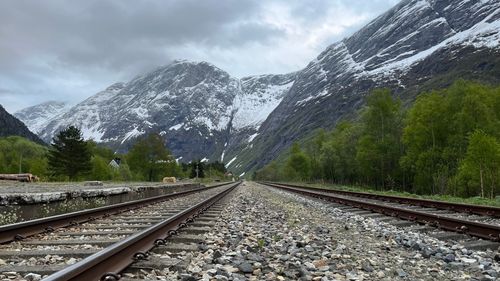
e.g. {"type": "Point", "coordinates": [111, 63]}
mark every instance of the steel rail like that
{"type": "Point", "coordinates": [456, 207]}
{"type": "Point", "coordinates": [107, 264]}
{"type": "Point", "coordinates": [481, 230]}
{"type": "Point", "coordinates": [21, 230]}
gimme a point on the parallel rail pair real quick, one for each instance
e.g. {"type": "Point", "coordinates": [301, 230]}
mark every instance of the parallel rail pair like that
{"type": "Point", "coordinates": [481, 230]}
{"type": "Point", "coordinates": [109, 262]}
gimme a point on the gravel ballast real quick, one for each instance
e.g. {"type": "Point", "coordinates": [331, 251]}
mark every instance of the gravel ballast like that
{"type": "Point", "coordinates": [267, 234]}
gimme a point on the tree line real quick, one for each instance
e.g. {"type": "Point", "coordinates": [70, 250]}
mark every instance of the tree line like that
{"type": "Point", "coordinates": [446, 142]}
{"type": "Point", "coordinates": [70, 157]}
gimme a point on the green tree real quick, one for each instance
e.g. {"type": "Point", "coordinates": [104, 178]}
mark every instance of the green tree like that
{"type": "Point", "coordinates": [149, 158]}
{"type": "Point", "coordinates": [436, 130]}
{"type": "Point", "coordinates": [313, 150]}
{"type": "Point", "coordinates": [20, 155]}
{"type": "Point", "coordinates": [69, 154]}
{"type": "Point", "coordinates": [338, 154]}
{"type": "Point", "coordinates": [197, 169]}
{"type": "Point", "coordinates": [483, 161]}
{"type": "Point", "coordinates": [101, 169]}
{"type": "Point", "coordinates": [379, 147]}
{"type": "Point", "coordinates": [297, 166]}
{"type": "Point", "coordinates": [123, 173]}
{"type": "Point", "coordinates": [425, 137]}
{"type": "Point", "coordinates": [271, 172]}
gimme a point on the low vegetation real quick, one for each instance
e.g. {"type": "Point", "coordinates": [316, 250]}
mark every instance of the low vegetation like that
{"type": "Point", "coordinates": [447, 143]}
{"type": "Point", "coordinates": [71, 158]}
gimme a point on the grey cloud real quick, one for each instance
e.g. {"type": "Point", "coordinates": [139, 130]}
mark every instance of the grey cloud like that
{"type": "Point", "coordinates": [108, 32]}
{"type": "Point", "coordinates": [71, 49]}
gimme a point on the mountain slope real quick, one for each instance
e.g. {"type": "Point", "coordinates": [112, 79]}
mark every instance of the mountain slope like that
{"type": "Point", "coordinates": [415, 46]}
{"type": "Point", "coordinates": [37, 117]}
{"type": "Point", "coordinates": [258, 97]}
{"type": "Point", "coordinates": [196, 106]}
{"type": "Point", "coordinates": [203, 112]}
{"type": "Point", "coordinates": [11, 126]}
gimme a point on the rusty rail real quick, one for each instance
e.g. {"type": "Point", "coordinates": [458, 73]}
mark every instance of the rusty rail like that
{"type": "Point", "coordinates": [481, 230]}
{"type": "Point", "coordinates": [108, 263]}
{"type": "Point", "coordinates": [21, 230]}
{"type": "Point", "coordinates": [456, 207]}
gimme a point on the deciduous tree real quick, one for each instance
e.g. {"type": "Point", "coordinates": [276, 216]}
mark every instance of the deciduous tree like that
{"type": "Point", "coordinates": [149, 158]}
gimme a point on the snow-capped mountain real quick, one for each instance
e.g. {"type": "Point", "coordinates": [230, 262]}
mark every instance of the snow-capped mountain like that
{"type": "Point", "coordinates": [194, 105]}
{"type": "Point", "coordinates": [416, 46]}
{"type": "Point", "coordinates": [259, 97]}
{"type": "Point", "coordinates": [203, 112]}
{"type": "Point", "coordinates": [37, 117]}
{"type": "Point", "coordinates": [11, 126]}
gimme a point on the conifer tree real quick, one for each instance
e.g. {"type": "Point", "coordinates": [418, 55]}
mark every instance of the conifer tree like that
{"type": "Point", "coordinates": [69, 154]}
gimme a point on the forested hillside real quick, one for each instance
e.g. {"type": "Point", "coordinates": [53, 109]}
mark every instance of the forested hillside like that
{"type": "Point", "coordinates": [447, 142]}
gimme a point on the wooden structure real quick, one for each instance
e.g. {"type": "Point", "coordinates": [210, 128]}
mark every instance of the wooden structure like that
{"type": "Point", "coordinates": [19, 177]}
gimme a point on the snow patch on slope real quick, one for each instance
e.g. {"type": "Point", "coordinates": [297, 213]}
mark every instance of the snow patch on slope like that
{"type": "Point", "coordinates": [132, 134]}
{"type": "Point", "coordinates": [37, 117]}
{"type": "Point", "coordinates": [260, 96]}
{"type": "Point", "coordinates": [231, 161]}
{"type": "Point", "coordinates": [480, 35]}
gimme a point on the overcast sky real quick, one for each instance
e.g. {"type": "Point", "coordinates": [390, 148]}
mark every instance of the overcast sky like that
{"type": "Point", "coordinates": [69, 50]}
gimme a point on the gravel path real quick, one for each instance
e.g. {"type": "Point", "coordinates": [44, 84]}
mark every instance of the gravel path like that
{"type": "Point", "coordinates": [266, 234]}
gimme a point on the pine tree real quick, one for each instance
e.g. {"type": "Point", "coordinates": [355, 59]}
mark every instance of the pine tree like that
{"type": "Point", "coordinates": [69, 154]}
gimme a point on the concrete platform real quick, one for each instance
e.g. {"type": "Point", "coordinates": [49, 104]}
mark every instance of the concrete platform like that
{"type": "Point", "coordinates": [43, 192]}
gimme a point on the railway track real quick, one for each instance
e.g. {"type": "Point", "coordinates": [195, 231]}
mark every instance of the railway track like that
{"type": "Point", "coordinates": [455, 207]}
{"type": "Point", "coordinates": [462, 220]}
{"type": "Point", "coordinates": [99, 244]}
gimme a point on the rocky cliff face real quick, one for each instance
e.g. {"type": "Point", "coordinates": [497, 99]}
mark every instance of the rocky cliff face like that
{"type": "Point", "coordinates": [11, 126]}
{"type": "Point", "coordinates": [415, 46]}
{"type": "Point", "coordinates": [39, 116]}
{"type": "Point", "coordinates": [203, 112]}
{"type": "Point", "coordinates": [196, 106]}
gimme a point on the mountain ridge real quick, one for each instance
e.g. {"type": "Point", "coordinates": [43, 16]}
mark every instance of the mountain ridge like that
{"type": "Point", "coordinates": [416, 46]}
{"type": "Point", "coordinates": [408, 49]}
{"type": "Point", "coordinates": [11, 126]}
{"type": "Point", "coordinates": [195, 105]}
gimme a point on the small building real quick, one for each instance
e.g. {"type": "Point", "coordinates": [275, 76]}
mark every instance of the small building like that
{"type": "Point", "coordinates": [115, 163]}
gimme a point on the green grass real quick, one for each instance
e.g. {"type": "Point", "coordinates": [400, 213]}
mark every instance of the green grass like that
{"type": "Point", "coordinates": [446, 198]}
